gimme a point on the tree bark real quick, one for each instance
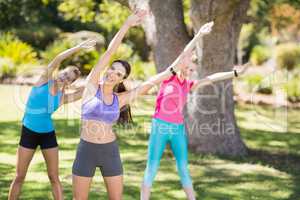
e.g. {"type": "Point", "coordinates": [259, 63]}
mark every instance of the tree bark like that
{"type": "Point", "coordinates": [211, 122]}
{"type": "Point", "coordinates": [165, 30]}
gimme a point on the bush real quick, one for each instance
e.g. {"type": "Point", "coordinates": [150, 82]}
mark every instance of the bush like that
{"type": "Point", "coordinates": [292, 89]}
{"type": "Point", "coordinates": [288, 56]}
{"type": "Point", "coordinates": [142, 70]}
{"type": "Point", "coordinates": [54, 49]}
{"type": "Point", "coordinates": [85, 60]}
{"type": "Point", "coordinates": [18, 51]}
{"type": "Point", "coordinates": [259, 55]}
{"type": "Point", "coordinates": [15, 55]}
{"type": "Point", "coordinates": [7, 68]}
{"type": "Point", "coordinates": [39, 36]}
{"type": "Point", "coordinates": [255, 82]}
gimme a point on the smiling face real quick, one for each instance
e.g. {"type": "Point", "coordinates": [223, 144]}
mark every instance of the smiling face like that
{"type": "Point", "coordinates": [115, 74]}
{"type": "Point", "coordinates": [190, 64]}
{"type": "Point", "coordinates": [67, 76]}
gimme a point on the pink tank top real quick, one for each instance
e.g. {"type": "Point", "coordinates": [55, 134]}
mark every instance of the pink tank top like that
{"type": "Point", "coordinates": [171, 98]}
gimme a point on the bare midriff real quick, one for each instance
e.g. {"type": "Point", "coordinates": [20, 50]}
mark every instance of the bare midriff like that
{"type": "Point", "coordinates": [97, 132]}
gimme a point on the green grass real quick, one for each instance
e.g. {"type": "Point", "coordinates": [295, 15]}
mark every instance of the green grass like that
{"type": "Point", "coordinates": [269, 172]}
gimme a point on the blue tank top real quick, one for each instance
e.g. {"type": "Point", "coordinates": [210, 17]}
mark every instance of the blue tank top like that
{"type": "Point", "coordinates": [39, 108]}
{"type": "Point", "coordinates": [96, 109]}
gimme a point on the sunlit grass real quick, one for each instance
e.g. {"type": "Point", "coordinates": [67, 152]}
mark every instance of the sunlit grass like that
{"type": "Point", "coordinates": [269, 172]}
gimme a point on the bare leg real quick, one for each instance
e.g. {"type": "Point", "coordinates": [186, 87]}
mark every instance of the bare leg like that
{"type": "Point", "coordinates": [145, 192]}
{"type": "Point", "coordinates": [114, 186]}
{"type": "Point", "coordinates": [81, 187]}
{"type": "Point", "coordinates": [189, 191]}
{"type": "Point", "coordinates": [24, 157]}
{"type": "Point", "coordinates": [51, 158]}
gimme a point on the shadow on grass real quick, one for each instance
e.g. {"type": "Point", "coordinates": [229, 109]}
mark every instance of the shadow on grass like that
{"type": "Point", "coordinates": [285, 159]}
{"type": "Point", "coordinates": [133, 139]}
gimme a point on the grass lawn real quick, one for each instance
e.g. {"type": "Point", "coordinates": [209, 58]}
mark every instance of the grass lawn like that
{"type": "Point", "coordinates": [271, 171]}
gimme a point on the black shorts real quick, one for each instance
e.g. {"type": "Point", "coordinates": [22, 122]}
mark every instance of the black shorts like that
{"type": "Point", "coordinates": [30, 139]}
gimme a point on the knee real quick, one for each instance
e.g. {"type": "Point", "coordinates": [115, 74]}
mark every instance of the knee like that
{"type": "Point", "coordinates": [53, 178]}
{"type": "Point", "coordinates": [183, 171]}
{"type": "Point", "coordinates": [19, 179]}
{"type": "Point", "coordinates": [152, 168]}
{"type": "Point", "coordinates": [115, 197]}
{"type": "Point", "coordinates": [78, 197]}
{"type": "Point", "coordinates": [184, 175]}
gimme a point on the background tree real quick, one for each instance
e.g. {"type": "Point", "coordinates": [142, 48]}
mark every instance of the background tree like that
{"type": "Point", "coordinates": [209, 132]}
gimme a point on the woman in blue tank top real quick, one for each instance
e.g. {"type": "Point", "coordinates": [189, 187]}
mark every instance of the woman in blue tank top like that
{"type": "Point", "coordinates": [47, 94]}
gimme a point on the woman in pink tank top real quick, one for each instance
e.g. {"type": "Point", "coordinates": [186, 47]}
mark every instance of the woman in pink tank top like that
{"type": "Point", "coordinates": [168, 121]}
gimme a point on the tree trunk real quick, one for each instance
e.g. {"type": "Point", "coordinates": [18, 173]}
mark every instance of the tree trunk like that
{"type": "Point", "coordinates": [211, 122]}
{"type": "Point", "coordinates": [165, 31]}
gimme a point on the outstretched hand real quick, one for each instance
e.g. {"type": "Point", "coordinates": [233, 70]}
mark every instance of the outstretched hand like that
{"type": "Point", "coordinates": [241, 69]}
{"type": "Point", "coordinates": [87, 44]}
{"type": "Point", "coordinates": [205, 29]}
{"type": "Point", "coordinates": [137, 17]}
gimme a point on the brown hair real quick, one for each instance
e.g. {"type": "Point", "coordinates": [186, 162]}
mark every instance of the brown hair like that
{"type": "Point", "coordinates": [75, 70]}
{"type": "Point", "coordinates": [125, 111]}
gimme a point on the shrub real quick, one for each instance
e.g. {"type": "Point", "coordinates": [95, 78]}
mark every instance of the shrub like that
{"type": "Point", "coordinates": [259, 55]}
{"type": "Point", "coordinates": [39, 36]}
{"type": "Point", "coordinates": [288, 56]}
{"type": "Point", "coordinates": [54, 49]}
{"type": "Point", "coordinates": [142, 70]}
{"type": "Point", "coordinates": [7, 68]}
{"type": "Point", "coordinates": [18, 51]}
{"type": "Point", "coordinates": [292, 89]}
{"type": "Point", "coordinates": [15, 55]}
{"type": "Point", "coordinates": [85, 60]}
{"type": "Point", "coordinates": [255, 82]}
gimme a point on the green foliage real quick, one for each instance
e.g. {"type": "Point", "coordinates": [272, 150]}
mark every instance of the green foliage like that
{"type": "Point", "coordinates": [288, 56]}
{"type": "Point", "coordinates": [142, 70]}
{"type": "Point", "coordinates": [112, 16]}
{"type": "Point", "coordinates": [109, 16]}
{"type": "Point", "coordinates": [82, 10]}
{"type": "Point", "coordinates": [85, 60]}
{"type": "Point", "coordinates": [26, 12]}
{"type": "Point", "coordinates": [38, 36]}
{"type": "Point", "coordinates": [124, 52]}
{"type": "Point", "coordinates": [18, 51]}
{"type": "Point", "coordinates": [256, 83]}
{"type": "Point", "coordinates": [292, 89]}
{"type": "Point", "coordinates": [259, 55]}
{"type": "Point", "coordinates": [7, 68]}
{"type": "Point", "coordinates": [186, 8]}
{"type": "Point", "coordinates": [15, 55]}
{"type": "Point", "coordinates": [54, 49]}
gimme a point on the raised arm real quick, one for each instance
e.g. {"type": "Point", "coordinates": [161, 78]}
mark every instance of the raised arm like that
{"type": "Point", "coordinates": [187, 51]}
{"type": "Point", "coordinates": [55, 63]}
{"type": "Point", "coordinates": [220, 76]}
{"type": "Point", "coordinates": [129, 96]}
{"type": "Point", "coordinates": [74, 95]}
{"type": "Point", "coordinates": [134, 19]}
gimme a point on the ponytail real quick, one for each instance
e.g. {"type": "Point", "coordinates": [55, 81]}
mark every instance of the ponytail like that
{"type": "Point", "coordinates": [125, 111]}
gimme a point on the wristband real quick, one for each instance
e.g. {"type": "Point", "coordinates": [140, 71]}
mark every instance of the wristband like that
{"type": "Point", "coordinates": [172, 71]}
{"type": "Point", "coordinates": [235, 73]}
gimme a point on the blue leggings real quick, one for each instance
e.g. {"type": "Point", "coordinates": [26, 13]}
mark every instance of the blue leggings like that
{"type": "Point", "coordinates": [163, 132]}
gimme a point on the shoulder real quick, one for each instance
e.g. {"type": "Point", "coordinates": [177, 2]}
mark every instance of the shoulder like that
{"type": "Point", "coordinates": [41, 83]}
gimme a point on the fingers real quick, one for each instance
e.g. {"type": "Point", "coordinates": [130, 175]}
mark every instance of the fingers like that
{"type": "Point", "coordinates": [88, 43]}
{"type": "Point", "coordinates": [242, 68]}
{"type": "Point", "coordinates": [205, 29]}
